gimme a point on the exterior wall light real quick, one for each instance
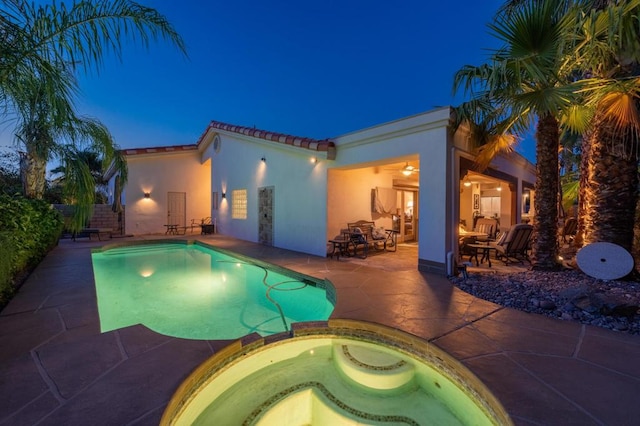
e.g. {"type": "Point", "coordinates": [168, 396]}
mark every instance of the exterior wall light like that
{"type": "Point", "coordinates": [264, 159]}
{"type": "Point", "coordinates": [147, 195]}
{"type": "Point", "coordinates": [314, 160]}
{"type": "Point", "coordinates": [224, 195]}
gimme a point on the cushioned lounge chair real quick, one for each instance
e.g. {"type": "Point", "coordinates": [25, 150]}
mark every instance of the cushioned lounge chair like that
{"type": "Point", "coordinates": [513, 246]}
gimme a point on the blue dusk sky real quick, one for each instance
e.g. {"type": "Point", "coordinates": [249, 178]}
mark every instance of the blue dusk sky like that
{"type": "Point", "coordinates": [318, 68]}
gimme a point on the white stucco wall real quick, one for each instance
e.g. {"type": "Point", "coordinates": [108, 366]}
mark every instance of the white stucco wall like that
{"type": "Point", "coordinates": [159, 174]}
{"type": "Point", "coordinates": [313, 201]}
{"type": "Point", "coordinates": [424, 135]}
{"type": "Point", "coordinates": [300, 191]}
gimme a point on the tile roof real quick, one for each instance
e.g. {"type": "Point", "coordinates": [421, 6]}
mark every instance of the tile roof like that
{"type": "Point", "coordinates": [324, 145]}
{"type": "Point", "coordinates": [159, 149]}
{"type": "Point", "coordinates": [312, 144]}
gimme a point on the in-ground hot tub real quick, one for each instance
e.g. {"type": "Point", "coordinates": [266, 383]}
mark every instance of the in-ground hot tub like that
{"type": "Point", "coordinates": [339, 372]}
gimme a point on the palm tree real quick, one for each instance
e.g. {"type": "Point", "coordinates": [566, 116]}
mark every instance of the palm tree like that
{"type": "Point", "coordinates": [609, 169]}
{"type": "Point", "coordinates": [46, 134]}
{"type": "Point", "coordinates": [607, 57]}
{"type": "Point", "coordinates": [90, 163]}
{"type": "Point", "coordinates": [526, 82]}
{"type": "Point", "coordinates": [42, 48]}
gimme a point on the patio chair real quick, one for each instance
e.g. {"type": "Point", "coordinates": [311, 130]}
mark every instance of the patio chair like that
{"type": "Point", "coordinates": [569, 229]}
{"type": "Point", "coordinates": [206, 226]}
{"type": "Point", "coordinates": [487, 226]}
{"type": "Point", "coordinates": [514, 244]}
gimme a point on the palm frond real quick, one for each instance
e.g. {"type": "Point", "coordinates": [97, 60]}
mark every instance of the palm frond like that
{"type": "Point", "coordinates": [84, 33]}
{"type": "Point", "coordinates": [577, 118]}
{"type": "Point", "coordinates": [79, 186]}
{"type": "Point", "coordinates": [570, 191]}
{"type": "Point", "coordinates": [496, 144]}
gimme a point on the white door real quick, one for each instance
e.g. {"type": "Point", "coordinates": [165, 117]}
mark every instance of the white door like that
{"type": "Point", "coordinates": [176, 208]}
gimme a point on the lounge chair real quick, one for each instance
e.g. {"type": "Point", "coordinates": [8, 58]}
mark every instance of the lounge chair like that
{"type": "Point", "coordinates": [513, 246]}
{"type": "Point", "coordinates": [569, 229]}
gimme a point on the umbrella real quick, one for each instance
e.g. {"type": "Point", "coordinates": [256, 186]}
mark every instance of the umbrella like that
{"type": "Point", "coordinates": [116, 207]}
{"type": "Point", "coordinates": [117, 195]}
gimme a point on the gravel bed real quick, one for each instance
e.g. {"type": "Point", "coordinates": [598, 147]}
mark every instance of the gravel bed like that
{"type": "Point", "coordinates": [568, 295]}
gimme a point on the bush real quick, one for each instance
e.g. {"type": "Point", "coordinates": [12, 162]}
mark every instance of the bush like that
{"type": "Point", "coordinates": [30, 228]}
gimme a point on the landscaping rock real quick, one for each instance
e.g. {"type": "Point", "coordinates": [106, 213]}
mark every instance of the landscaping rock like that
{"type": "Point", "coordinates": [547, 304]}
{"type": "Point", "coordinates": [569, 295]}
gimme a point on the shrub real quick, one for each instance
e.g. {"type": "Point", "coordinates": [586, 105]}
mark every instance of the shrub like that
{"type": "Point", "coordinates": [6, 253]}
{"type": "Point", "coordinates": [30, 228]}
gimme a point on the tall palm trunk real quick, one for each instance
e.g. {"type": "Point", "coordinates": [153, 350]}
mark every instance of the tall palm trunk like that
{"type": "Point", "coordinates": [611, 187]}
{"type": "Point", "coordinates": [585, 150]}
{"type": "Point", "coordinates": [33, 172]}
{"type": "Point", "coordinates": [545, 252]}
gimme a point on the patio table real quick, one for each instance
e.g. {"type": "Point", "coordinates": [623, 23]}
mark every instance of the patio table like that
{"type": "Point", "coordinates": [342, 247]}
{"type": "Point", "coordinates": [486, 251]}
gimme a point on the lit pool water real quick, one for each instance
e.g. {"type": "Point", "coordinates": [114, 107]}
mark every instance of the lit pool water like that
{"type": "Point", "coordinates": [346, 372]}
{"type": "Point", "coordinates": [194, 292]}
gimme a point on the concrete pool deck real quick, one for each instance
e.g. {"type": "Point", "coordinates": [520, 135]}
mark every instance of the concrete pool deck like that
{"type": "Point", "coordinates": [57, 368]}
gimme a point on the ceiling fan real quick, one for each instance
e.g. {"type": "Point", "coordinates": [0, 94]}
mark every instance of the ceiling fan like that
{"type": "Point", "coordinates": [408, 169]}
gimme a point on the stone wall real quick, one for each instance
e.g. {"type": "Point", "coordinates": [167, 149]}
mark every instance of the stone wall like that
{"type": "Point", "coordinates": [103, 217]}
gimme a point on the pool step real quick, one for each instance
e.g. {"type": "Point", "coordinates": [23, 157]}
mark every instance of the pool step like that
{"type": "Point", "coordinates": [372, 368]}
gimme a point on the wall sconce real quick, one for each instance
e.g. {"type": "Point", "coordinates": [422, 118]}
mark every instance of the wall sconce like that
{"type": "Point", "coordinates": [263, 159]}
{"type": "Point", "coordinates": [466, 181]}
{"type": "Point", "coordinates": [224, 195]}
{"type": "Point", "coordinates": [147, 195]}
{"type": "Point", "coordinates": [314, 160]}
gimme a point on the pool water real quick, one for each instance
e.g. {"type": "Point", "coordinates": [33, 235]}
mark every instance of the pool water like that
{"type": "Point", "coordinates": [193, 292]}
{"type": "Point", "coordinates": [346, 372]}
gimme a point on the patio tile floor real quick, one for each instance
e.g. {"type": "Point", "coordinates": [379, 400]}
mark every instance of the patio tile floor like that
{"type": "Point", "coordinates": [57, 368]}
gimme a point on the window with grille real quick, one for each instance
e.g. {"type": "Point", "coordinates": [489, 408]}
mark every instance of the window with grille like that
{"type": "Point", "coordinates": [239, 204]}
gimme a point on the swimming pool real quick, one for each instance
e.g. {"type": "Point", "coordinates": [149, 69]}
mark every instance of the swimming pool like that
{"type": "Point", "coordinates": [192, 291]}
{"type": "Point", "coordinates": [343, 372]}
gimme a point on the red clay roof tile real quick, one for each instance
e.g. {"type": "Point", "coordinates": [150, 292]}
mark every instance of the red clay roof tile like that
{"type": "Point", "coordinates": [324, 145]}
{"type": "Point", "coordinates": [308, 143]}
{"type": "Point", "coordinates": [158, 149]}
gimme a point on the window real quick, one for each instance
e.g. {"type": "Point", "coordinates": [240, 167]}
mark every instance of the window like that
{"type": "Point", "coordinates": [214, 201]}
{"type": "Point", "coordinates": [526, 201]}
{"type": "Point", "coordinates": [490, 206]}
{"type": "Point", "coordinates": [239, 204]}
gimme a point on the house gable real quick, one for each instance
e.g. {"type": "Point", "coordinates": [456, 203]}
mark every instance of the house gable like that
{"type": "Point", "coordinates": [325, 145]}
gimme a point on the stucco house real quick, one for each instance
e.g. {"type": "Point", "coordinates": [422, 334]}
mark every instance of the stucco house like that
{"type": "Point", "coordinates": [412, 175]}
